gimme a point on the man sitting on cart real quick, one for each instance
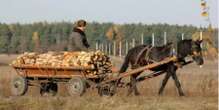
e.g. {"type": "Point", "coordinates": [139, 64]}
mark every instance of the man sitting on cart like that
{"type": "Point", "coordinates": [77, 40]}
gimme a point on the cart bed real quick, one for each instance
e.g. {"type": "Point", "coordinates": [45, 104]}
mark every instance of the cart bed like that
{"type": "Point", "coordinates": [52, 72]}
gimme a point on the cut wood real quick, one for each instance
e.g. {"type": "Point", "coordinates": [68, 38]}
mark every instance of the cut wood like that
{"type": "Point", "coordinates": [97, 60]}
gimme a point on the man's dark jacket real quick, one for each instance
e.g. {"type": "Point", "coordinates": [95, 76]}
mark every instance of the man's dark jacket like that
{"type": "Point", "coordinates": [77, 41]}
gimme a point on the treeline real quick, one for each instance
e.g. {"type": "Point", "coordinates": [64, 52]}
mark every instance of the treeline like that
{"type": "Point", "coordinates": [43, 36]}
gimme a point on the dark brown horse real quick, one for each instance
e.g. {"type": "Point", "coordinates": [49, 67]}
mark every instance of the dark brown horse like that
{"type": "Point", "coordinates": [145, 54]}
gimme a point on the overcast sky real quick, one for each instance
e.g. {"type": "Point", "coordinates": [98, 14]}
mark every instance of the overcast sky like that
{"type": "Point", "coordinates": [119, 11]}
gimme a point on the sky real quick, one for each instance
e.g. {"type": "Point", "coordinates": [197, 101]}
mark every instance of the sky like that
{"type": "Point", "coordinates": [179, 12]}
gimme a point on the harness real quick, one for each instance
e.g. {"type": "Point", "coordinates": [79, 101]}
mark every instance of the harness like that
{"type": "Point", "coordinates": [147, 58]}
{"type": "Point", "coordinates": [194, 53]}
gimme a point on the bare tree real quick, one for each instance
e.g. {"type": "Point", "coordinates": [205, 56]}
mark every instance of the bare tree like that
{"type": "Point", "coordinates": [36, 41]}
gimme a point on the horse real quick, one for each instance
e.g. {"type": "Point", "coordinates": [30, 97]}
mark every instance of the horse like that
{"type": "Point", "coordinates": [146, 54]}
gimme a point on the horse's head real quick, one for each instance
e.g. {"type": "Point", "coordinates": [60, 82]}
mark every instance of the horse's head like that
{"type": "Point", "coordinates": [196, 52]}
{"type": "Point", "coordinates": [190, 47]}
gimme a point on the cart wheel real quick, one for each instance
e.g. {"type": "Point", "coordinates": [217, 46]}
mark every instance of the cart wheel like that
{"type": "Point", "coordinates": [48, 89]}
{"type": "Point", "coordinates": [76, 86]}
{"type": "Point", "coordinates": [107, 89]}
{"type": "Point", "coordinates": [19, 86]}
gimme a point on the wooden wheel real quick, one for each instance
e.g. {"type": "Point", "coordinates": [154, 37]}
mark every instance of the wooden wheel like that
{"type": "Point", "coordinates": [76, 86]}
{"type": "Point", "coordinates": [48, 89]}
{"type": "Point", "coordinates": [19, 86]}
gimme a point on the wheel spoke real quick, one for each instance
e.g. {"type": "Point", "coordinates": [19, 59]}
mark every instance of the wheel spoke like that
{"type": "Point", "coordinates": [19, 86]}
{"type": "Point", "coordinates": [76, 86]}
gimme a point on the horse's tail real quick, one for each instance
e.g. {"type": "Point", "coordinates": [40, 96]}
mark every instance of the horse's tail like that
{"type": "Point", "coordinates": [125, 64]}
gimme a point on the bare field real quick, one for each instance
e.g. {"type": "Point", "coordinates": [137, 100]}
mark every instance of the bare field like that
{"type": "Point", "coordinates": [199, 84]}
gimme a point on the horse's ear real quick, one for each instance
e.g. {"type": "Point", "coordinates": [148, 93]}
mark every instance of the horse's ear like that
{"type": "Point", "coordinates": [199, 41]}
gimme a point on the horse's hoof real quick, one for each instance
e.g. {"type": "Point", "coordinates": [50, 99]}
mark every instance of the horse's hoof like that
{"type": "Point", "coordinates": [160, 93]}
{"type": "Point", "coordinates": [137, 94]}
{"type": "Point", "coordinates": [182, 94]}
{"type": "Point", "coordinates": [129, 93]}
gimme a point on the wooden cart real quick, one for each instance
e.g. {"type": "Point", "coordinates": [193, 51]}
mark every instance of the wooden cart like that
{"type": "Point", "coordinates": [48, 77]}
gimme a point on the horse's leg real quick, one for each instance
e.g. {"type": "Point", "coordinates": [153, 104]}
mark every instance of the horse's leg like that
{"type": "Point", "coordinates": [136, 92]}
{"type": "Point", "coordinates": [132, 85]}
{"type": "Point", "coordinates": [166, 78]}
{"type": "Point", "coordinates": [124, 66]}
{"type": "Point", "coordinates": [177, 83]}
{"type": "Point", "coordinates": [130, 90]}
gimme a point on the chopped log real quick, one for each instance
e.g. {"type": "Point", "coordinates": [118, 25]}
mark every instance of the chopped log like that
{"type": "Point", "coordinates": [66, 60]}
{"type": "Point", "coordinates": [56, 68]}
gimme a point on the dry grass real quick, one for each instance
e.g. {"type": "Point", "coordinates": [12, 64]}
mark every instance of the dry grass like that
{"type": "Point", "coordinates": [199, 85]}
{"type": "Point", "coordinates": [103, 103]}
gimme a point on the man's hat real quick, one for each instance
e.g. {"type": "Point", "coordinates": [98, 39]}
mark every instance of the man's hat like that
{"type": "Point", "coordinates": [80, 23]}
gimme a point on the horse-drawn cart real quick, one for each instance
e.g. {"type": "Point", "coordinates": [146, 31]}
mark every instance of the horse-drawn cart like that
{"type": "Point", "coordinates": [47, 78]}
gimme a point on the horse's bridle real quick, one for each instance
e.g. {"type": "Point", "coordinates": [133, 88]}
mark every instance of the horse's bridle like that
{"type": "Point", "coordinates": [195, 53]}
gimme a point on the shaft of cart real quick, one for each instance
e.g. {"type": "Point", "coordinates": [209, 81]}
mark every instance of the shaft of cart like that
{"type": "Point", "coordinates": [140, 69]}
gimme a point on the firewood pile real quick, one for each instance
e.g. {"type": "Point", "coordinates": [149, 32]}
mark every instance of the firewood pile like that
{"type": "Point", "coordinates": [96, 59]}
